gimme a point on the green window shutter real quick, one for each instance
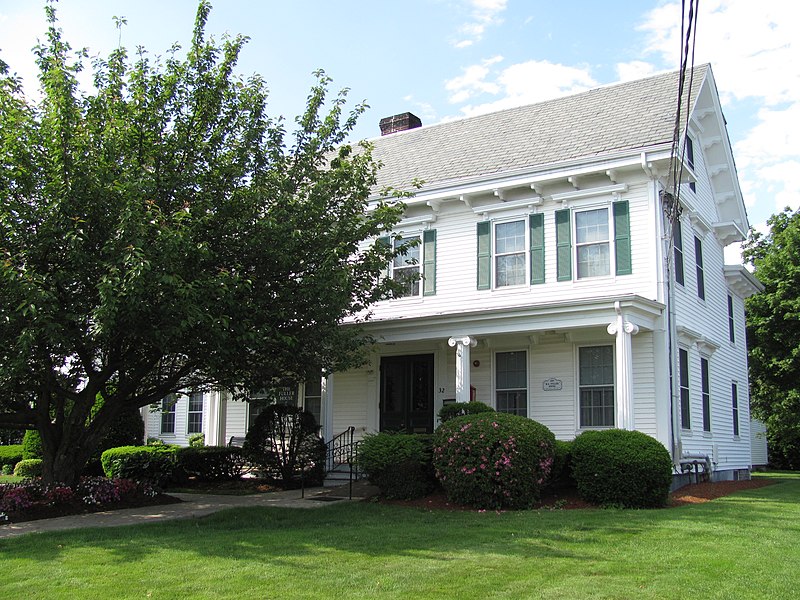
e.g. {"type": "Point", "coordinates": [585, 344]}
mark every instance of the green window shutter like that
{"type": "Point", "coordinates": [536, 225]}
{"type": "Point", "coordinates": [429, 262]}
{"type": "Point", "coordinates": [563, 245]}
{"type": "Point", "coordinates": [484, 255]}
{"type": "Point", "coordinates": [622, 237]}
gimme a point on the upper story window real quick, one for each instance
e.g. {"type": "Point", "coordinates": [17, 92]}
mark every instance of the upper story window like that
{"type": "Point", "coordinates": [706, 389]}
{"type": "Point", "coordinates": [678, 237]}
{"type": "Point", "coordinates": [735, 407]}
{"type": "Point", "coordinates": [510, 253]}
{"type": "Point", "coordinates": [593, 238]}
{"type": "Point", "coordinates": [690, 159]}
{"type": "Point", "coordinates": [731, 327]}
{"type": "Point", "coordinates": [683, 380]}
{"type": "Point", "coordinates": [701, 278]}
{"type": "Point", "coordinates": [416, 269]}
{"type": "Point", "coordinates": [592, 255]}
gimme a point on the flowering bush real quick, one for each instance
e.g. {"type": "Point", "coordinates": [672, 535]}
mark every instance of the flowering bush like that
{"type": "Point", "coordinates": [16, 498]}
{"type": "Point", "coordinates": [493, 460]}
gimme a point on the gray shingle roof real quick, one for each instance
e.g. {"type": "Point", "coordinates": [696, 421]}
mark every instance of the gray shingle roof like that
{"type": "Point", "coordinates": [607, 120]}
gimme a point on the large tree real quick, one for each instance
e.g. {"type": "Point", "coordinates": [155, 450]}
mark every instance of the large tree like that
{"type": "Point", "coordinates": [773, 332]}
{"type": "Point", "coordinates": [161, 233]}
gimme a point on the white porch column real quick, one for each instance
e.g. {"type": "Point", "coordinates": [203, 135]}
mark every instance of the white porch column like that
{"type": "Point", "coordinates": [623, 330]}
{"type": "Point", "coordinates": [462, 346]}
{"type": "Point", "coordinates": [212, 420]}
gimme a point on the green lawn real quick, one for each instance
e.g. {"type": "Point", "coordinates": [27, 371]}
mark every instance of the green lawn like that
{"type": "Point", "coordinates": [743, 546]}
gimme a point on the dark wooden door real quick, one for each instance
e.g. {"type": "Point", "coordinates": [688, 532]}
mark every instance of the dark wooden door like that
{"type": "Point", "coordinates": [407, 393]}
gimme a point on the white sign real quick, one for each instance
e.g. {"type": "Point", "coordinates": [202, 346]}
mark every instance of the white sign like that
{"type": "Point", "coordinates": [552, 385]}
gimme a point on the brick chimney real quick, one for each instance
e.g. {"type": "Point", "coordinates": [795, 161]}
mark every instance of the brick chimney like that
{"type": "Point", "coordinates": [401, 122]}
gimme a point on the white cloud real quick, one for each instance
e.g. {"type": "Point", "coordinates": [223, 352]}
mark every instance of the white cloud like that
{"type": "Point", "coordinates": [472, 81]}
{"type": "Point", "coordinates": [424, 110]}
{"type": "Point", "coordinates": [529, 82]}
{"type": "Point", "coordinates": [483, 14]}
{"type": "Point", "coordinates": [636, 69]}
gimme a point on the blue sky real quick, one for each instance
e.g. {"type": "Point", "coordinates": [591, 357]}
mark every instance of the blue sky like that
{"type": "Point", "coordinates": [446, 59]}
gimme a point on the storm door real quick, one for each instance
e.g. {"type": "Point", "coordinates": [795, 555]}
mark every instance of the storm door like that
{"type": "Point", "coordinates": [407, 393]}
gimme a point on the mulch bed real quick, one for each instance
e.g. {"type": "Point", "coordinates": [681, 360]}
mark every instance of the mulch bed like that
{"type": "Point", "coordinates": [568, 499]}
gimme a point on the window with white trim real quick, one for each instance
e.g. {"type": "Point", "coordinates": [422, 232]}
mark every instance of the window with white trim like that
{"type": "Point", "coordinates": [698, 258]}
{"type": "Point", "coordinates": [406, 267]}
{"type": "Point", "coordinates": [510, 253]}
{"type": "Point", "coordinates": [678, 237]}
{"type": "Point", "coordinates": [683, 380]}
{"type": "Point", "coordinates": [194, 421]}
{"type": "Point", "coordinates": [735, 408]}
{"type": "Point", "coordinates": [706, 390]}
{"type": "Point", "coordinates": [731, 323]}
{"type": "Point", "coordinates": [168, 413]}
{"type": "Point", "coordinates": [596, 386]}
{"type": "Point", "coordinates": [312, 398]}
{"type": "Point", "coordinates": [592, 243]}
{"type": "Point", "coordinates": [511, 382]}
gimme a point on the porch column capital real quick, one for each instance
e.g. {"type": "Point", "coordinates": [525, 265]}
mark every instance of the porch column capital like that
{"type": "Point", "coordinates": [465, 340]}
{"type": "Point", "coordinates": [462, 344]}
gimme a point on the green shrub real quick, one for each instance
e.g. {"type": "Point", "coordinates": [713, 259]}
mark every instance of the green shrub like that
{"type": "Point", "coordinates": [283, 444]}
{"type": "Point", "coordinates": [211, 463]}
{"type": "Point", "coordinates": [619, 467]}
{"type": "Point", "coordinates": [32, 444]}
{"type": "Point", "coordinates": [156, 465]}
{"type": "Point", "coordinates": [197, 439]}
{"type": "Point", "coordinates": [399, 464]}
{"type": "Point", "coordinates": [10, 455]}
{"type": "Point", "coordinates": [7, 470]}
{"type": "Point", "coordinates": [493, 460]}
{"type": "Point", "coordinates": [459, 409]}
{"type": "Point", "coordinates": [561, 473]}
{"type": "Point", "coordinates": [126, 430]}
{"type": "Point", "coordinates": [29, 467]}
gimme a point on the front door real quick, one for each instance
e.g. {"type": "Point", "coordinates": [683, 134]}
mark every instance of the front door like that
{"type": "Point", "coordinates": [407, 393]}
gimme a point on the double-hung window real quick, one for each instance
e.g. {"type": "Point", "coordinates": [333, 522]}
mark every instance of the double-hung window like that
{"type": "Point", "coordinates": [168, 414]}
{"type": "Point", "coordinates": [195, 413]}
{"type": "Point", "coordinates": [701, 278]}
{"type": "Point", "coordinates": [683, 380]}
{"type": "Point", "coordinates": [312, 398]}
{"type": "Point", "coordinates": [596, 386]}
{"type": "Point", "coordinates": [706, 388]}
{"type": "Point", "coordinates": [599, 245]}
{"type": "Point", "coordinates": [731, 324]}
{"type": "Point", "coordinates": [415, 269]}
{"type": "Point", "coordinates": [593, 255]}
{"type": "Point", "coordinates": [511, 382]}
{"type": "Point", "coordinates": [510, 252]}
{"type": "Point", "coordinates": [735, 407]}
{"type": "Point", "coordinates": [678, 238]}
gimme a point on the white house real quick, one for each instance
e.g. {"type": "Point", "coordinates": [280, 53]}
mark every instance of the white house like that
{"type": "Point", "coordinates": [549, 286]}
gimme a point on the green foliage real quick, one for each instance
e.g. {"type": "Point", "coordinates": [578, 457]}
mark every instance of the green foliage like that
{"type": "Point", "coordinates": [561, 473]}
{"type": "Point", "coordinates": [283, 444]}
{"type": "Point", "coordinates": [7, 469]}
{"type": "Point", "coordinates": [459, 409]}
{"type": "Point", "coordinates": [197, 440]}
{"type": "Point", "coordinates": [493, 460]}
{"type": "Point", "coordinates": [211, 463]}
{"type": "Point", "coordinates": [162, 232]}
{"type": "Point", "coordinates": [32, 444]}
{"type": "Point", "coordinates": [29, 467]}
{"type": "Point", "coordinates": [11, 455]}
{"type": "Point", "coordinates": [621, 468]}
{"type": "Point", "coordinates": [773, 336]}
{"type": "Point", "coordinates": [399, 464]}
{"type": "Point", "coordinates": [154, 464]}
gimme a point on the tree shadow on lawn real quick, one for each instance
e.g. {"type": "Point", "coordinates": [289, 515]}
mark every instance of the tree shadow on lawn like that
{"type": "Point", "coordinates": [284, 535]}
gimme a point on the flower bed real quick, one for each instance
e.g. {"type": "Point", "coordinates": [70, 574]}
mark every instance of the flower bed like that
{"type": "Point", "coordinates": [34, 500]}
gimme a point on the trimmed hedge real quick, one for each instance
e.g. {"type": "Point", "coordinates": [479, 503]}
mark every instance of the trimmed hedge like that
{"type": "Point", "coordinates": [10, 455]}
{"type": "Point", "coordinates": [621, 468]}
{"type": "Point", "coordinates": [211, 463]}
{"type": "Point", "coordinates": [493, 460]}
{"type": "Point", "coordinates": [459, 409]}
{"type": "Point", "coordinates": [32, 444]}
{"type": "Point", "coordinates": [29, 467]}
{"type": "Point", "coordinates": [154, 464]}
{"type": "Point", "coordinates": [561, 473]}
{"type": "Point", "coordinates": [400, 464]}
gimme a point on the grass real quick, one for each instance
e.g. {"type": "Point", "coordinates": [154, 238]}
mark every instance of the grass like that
{"type": "Point", "coordinates": [740, 546]}
{"type": "Point", "coordinates": [11, 479]}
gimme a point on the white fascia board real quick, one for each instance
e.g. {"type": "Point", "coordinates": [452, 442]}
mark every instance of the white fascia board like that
{"type": "Point", "coordinates": [524, 319]}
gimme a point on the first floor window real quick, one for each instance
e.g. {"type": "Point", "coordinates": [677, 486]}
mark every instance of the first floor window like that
{"type": "Point", "coordinates": [706, 387]}
{"type": "Point", "coordinates": [509, 253]}
{"type": "Point", "coordinates": [735, 407]}
{"type": "Point", "coordinates": [195, 416]}
{"type": "Point", "coordinates": [168, 414]}
{"type": "Point", "coordinates": [405, 267]}
{"type": "Point", "coordinates": [683, 380]}
{"type": "Point", "coordinates": [596, 386]}
{"type": "Point", "coordinates": [592, 243]}
{"type": "Point", "coordinates": [511, 383]}
{"type": "Point", "coordinates": [312, 398]}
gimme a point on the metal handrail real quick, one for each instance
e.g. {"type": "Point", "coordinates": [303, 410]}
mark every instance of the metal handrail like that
{"type": "Point", "coordinates": [342, 449]}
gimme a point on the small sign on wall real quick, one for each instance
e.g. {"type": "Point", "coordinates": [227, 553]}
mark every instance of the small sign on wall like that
{"type": "Point", "coordinates": [552, 385]}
